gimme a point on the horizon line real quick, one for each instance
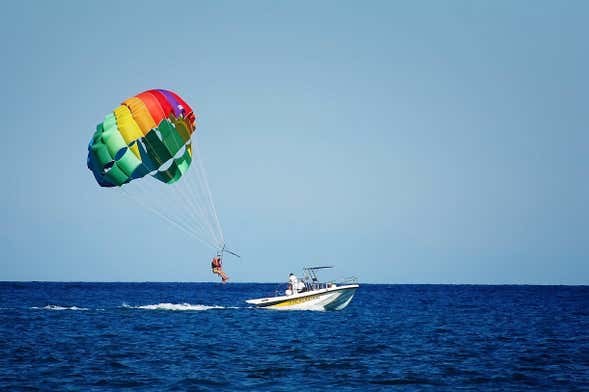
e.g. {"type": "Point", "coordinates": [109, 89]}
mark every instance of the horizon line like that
{"type": "Point", "coordinates": [244, 282]}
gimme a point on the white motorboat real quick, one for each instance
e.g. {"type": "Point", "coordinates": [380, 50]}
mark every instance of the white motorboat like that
{"type": "Point", "coordinates": [312, 294]}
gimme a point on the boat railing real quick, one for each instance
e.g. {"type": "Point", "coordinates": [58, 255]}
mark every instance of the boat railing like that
{"type": "Point", "coordinates": [317, 285]}
{"type": "Point", "coordinates": [310, 285]}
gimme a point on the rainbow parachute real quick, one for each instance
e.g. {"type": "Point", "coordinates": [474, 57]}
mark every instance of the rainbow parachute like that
{"type": "Point", "coordinates": [150, 138]}
{"type": "Point", "coordinates": [148, 133]}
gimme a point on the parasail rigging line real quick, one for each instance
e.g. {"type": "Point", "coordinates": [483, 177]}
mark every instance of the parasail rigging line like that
{"type": "Point", "coordinates": [188, 203]}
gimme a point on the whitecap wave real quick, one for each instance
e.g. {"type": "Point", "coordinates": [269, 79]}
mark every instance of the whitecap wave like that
{"type": "Point", "coordinates": [57, 307]}
{"type": "Point", "coordinates": [170, 306]}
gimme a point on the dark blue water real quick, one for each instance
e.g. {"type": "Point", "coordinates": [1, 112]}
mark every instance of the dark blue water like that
{"type": "Point", "coordinates": [113, 336]}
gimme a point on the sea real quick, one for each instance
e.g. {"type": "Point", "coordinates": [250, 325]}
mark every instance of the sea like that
{"type": "Point", "coordinates": [204, 337]}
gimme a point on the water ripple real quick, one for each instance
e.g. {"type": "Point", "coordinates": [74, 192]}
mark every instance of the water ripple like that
{"type": "Point", "coordinates": [180, 336]}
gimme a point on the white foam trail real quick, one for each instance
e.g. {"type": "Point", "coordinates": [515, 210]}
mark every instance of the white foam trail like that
{"type": "Point", "coordinates": [170, 306]}
{"type": "Point", "coordinates": [57, 307]}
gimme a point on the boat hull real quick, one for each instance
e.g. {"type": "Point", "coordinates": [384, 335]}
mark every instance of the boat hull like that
{"type": "Point", "coordinates": [334, 298]}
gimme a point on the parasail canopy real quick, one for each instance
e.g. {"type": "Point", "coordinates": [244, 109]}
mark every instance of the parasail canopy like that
{"type": "Point", "coordinates": [150, 132]}
{"type": "Point", "coordinates": [147, 149]}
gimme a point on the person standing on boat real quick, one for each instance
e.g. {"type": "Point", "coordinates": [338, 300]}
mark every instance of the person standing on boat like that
{"type": "Point", "coordinates": [216, 266]}
{"type": "Point", "coordinates": [294, 283]}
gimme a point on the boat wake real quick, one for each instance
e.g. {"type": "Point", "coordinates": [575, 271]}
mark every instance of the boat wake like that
{"type": "Point", "coordinates": [57, 307]}
{"type": "Point", "coordinates": [161, 306]}
{"type": "Point", "coordinates": [175, 307]}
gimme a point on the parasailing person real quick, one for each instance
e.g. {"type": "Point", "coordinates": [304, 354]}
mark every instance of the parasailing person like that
{"type": "Point", "coordinates": [217, 268]}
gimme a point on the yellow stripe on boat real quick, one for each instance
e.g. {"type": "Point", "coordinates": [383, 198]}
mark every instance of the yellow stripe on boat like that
{"type": "Point", "coordinates": [295, 301]}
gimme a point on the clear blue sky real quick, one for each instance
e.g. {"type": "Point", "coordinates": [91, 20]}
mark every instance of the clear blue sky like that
{"type": "Point", "coordinates": [404, 142]}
